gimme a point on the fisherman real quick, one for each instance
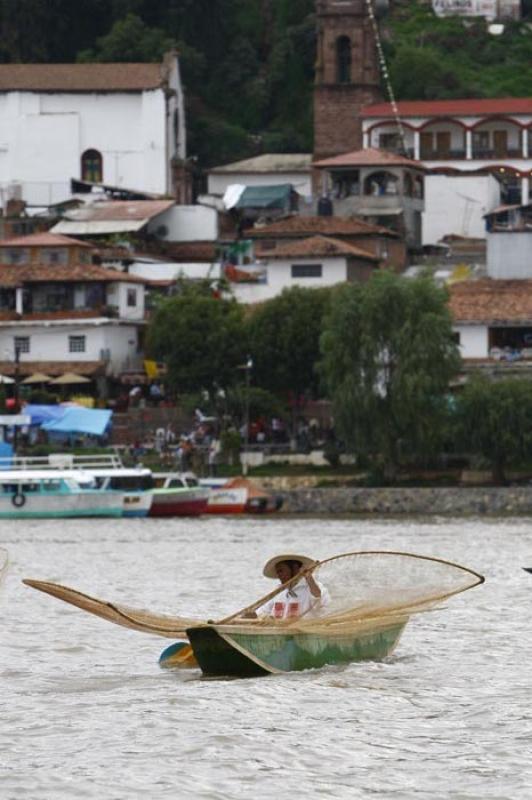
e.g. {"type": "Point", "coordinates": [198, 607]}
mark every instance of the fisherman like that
{"type": "Point", "coordinates": [304, 594]}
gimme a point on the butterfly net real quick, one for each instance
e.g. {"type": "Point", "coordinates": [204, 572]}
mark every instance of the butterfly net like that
{"type": "Point", "coordinates": [373, 588]}
{"type": "Point", "coordinates": [366, 590]}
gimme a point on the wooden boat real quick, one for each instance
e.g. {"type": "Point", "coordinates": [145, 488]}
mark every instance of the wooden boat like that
{"type": "Point", "coordinates": [178, 494]}
{"type": "Point", "coordinates": [29, 494]}
{"type": "Point", "coordinates": [250, 651]}
{"type": "Point", "coordinates": [373, 594]}
{"type": "Point", "coordinates": [241, 496]}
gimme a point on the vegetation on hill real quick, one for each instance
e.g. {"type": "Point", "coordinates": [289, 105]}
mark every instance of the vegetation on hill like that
{"type": "Point", "coordinates": [248, 65]}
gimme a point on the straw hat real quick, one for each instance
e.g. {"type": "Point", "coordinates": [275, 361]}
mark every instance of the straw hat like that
{"type": "Point", "coordinates": [269, 567]}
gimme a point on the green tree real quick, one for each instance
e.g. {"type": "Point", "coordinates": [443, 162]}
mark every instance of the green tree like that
{"type": "Point", "coordinates": [201, 339]}
{"type": "Point", "coordinates": [494, 419]}
{"type": "Point", "coordinates": [388, 356]}
{"type": "Point", "coordinates": [284, 335]}
{"type": "Point", "coordinates": [130, 40]}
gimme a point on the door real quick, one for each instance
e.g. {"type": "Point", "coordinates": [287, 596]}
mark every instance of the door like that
{"type": "Point", "coordinates": [500, 143]}
{"type": "Point", "coordinates": [443, 144]}
{"type": "Point", "coordinates": [425, 141]}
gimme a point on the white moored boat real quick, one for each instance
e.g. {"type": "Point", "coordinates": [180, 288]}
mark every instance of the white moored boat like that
{"type": "Point", "coordinates": [133, 485]}
{"type": "Point", "coordinates": [27, 494]}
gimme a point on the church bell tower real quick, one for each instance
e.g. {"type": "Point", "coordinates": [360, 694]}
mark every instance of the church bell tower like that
{"type": "Point", "coordinates": [347, 75]}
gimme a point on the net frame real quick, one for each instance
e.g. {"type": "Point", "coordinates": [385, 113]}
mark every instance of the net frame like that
{"type": "Point", "coordinates": [351, 620]}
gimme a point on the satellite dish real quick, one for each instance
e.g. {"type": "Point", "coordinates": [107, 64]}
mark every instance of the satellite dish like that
{"type": "Point", "coordinates": [161, 232]}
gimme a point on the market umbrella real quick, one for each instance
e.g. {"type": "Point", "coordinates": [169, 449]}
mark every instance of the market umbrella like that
{"type": "Point", "coordinates": [69, 378]}
{"type": "Point", "coordinates": [6, 379]}
{"type": "Point", "coordinates": [37, 377]}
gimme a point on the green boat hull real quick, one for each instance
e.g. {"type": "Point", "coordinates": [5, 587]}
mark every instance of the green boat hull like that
{"type": "Point", "coordinates": [248, 654]}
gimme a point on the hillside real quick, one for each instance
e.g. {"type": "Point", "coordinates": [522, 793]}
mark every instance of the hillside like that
{"type": "Point", "coordinates": [248, 64]}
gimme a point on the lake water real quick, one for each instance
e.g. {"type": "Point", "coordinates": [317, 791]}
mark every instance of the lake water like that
{"type": "Point", "coordinates": [85, 711]}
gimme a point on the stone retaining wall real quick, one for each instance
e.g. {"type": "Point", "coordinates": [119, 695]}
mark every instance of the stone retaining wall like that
{"type": "Point", "coordinates": [489, 500]}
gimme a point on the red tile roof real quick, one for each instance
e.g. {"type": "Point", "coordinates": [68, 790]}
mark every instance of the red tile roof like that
{"type": "Point", "coordinates": [491, 301]}
{"type": "Point", "coordinates": [80, 77]}
{"type": "Point", "coordinates": [53, 368]}
{"type": "Point", "coordinates": [12, 275]}
{"type": "Point", "coordinates": [295, 226]}
{"type": "Point", "coordinates": [369, 157]}
{"type": "Point", "coordinates": [319, 247]}
{"type": "Point", "coordinates": [43, 239]}
{"type": "Point", "coordinates": [191, 251]}
{"type": "Point", "coordinates": [463, 108]}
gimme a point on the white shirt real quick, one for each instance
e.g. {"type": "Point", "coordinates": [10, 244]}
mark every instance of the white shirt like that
{"type": "Point", "coordinates": [294, 602]}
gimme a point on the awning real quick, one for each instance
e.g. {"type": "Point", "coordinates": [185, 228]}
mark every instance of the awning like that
{"type": "Point", "coordinates": [37, 377]}
{"type": "Point", "coordinates": [265, 196]}
{"type": "Point", "coordinates": [81, 420]}
{"type": "Point", "coordinates": [69, 378]}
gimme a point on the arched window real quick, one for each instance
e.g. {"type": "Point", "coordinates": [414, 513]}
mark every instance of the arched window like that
{"type": "Point", "coordinates": [343, 59]}
{"type": "Point", "coordinates": [381, 183]}
{"type": "Point", "coordinates": [92, 166]}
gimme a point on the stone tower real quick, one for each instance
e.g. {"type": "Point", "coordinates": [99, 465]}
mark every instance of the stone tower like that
{"type": "Point", "coordinates": [347, 75]}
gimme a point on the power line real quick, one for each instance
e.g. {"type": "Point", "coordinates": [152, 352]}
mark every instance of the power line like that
{"type": "Point", "coordinates": [386, 75]}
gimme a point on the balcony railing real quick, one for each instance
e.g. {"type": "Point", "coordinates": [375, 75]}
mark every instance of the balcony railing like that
{"type": "Point", "coordinates": [443, 155]}
{"type": "Point", "coordinates": [490, 153]}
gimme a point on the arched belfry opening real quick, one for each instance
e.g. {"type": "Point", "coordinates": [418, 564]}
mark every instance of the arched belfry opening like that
{"type": "Point", "coordinates": [343, 59]}
{"type": "Point", "coordinates": [347, 75]}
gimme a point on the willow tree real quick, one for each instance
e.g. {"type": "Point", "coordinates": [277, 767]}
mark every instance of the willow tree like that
{"type": "Point", "coordinates": [494, 420]}
{"type": "Point", "coordinates": [388, 354]}
{"type": "Point", "coordinates": [200, 337]}
{"type": "Point", "coordinates": [284, 335]}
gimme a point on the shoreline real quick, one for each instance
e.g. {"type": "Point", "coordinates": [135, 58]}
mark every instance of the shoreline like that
{"type": "Point", "coordinates": [496, 500]}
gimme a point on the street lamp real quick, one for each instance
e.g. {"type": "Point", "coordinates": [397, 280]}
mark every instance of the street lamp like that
{"type": "Point", "coordinates": [248, 366]}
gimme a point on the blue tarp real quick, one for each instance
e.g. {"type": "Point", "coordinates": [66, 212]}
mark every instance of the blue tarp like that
{"type": "Point", "coordinates": [6, 454]}
{"type": "Point", "coordinates": [40, 414]}
{"type": "Point", "coordinates": [80, 420]}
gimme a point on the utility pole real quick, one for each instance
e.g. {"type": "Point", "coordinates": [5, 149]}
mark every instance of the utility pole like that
{"type": "Point", "coordinates": [16, 396]}
{"type": "Point", "coordinates": [248, 367]}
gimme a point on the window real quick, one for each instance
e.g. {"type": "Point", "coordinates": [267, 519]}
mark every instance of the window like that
{"type": "Point", "coordinates": [307, 270]}
{"type": "Point", "coordinates": [92, 166]}
{"type": "Point", "coordinates": [76, 344]}
{"type": "Point", "coordinates": [481, 143]}
{"type": "Point", "coordinates": [343, 59]}
{"type": "Point", "coordinates": [22, 344]}
{"type": "Point", "coordinates": [53, 256]}
{"type": "Point", "coordinates": [132, 298]}
{"type": "Point", "coordinates": [16, 255]}
{"type": "Point", "coordinates": [390, 141]}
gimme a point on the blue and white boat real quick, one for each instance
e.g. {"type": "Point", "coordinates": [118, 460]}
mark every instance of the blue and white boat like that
{"type": "Point", "coordinates": [134, 485]}
{"type": "Point", "coordinates": [33, 493]}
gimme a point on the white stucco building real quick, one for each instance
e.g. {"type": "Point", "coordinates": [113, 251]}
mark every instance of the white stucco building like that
{"type": "Point", "coordinates": [460, 143]}
{"type": "Point", "coordinates": [122, 124]}
{"type": "Point", "coordinates": [312, 263]}
{"type": "Point", "coordinates": [492, 320]}
{"type": "Point", "coordinates": [61, 313]}
{"type": "Point", "coordinates": [269, 169]}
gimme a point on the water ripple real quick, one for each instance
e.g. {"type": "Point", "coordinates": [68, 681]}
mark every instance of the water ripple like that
{"type": "Point", "coordinates": [87, 713]}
